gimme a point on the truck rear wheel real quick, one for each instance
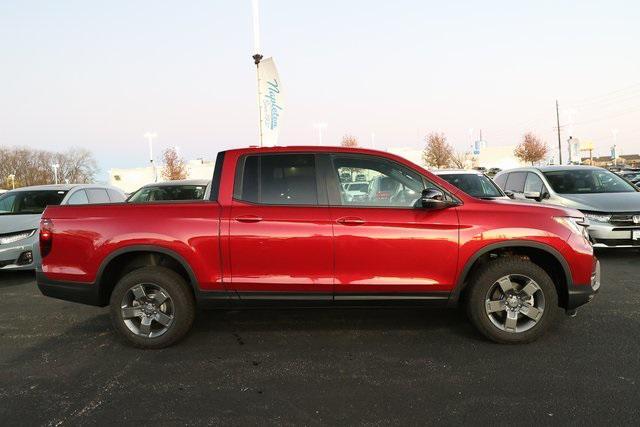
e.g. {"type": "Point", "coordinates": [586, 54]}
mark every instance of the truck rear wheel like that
{"type": "Point", "coordinates": [512, 300]}
{"type": "Point", "coordinates": [152, 307]}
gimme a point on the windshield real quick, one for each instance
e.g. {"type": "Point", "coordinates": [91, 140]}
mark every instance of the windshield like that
{"type": "Point", "coordinates": [168, 192]}
{"type": "Point", "coordinates": [586, 181]}
{"type": "Point", "coordinates": [29, 202]}
{"type": "Point", "coordinates": [475, 185]}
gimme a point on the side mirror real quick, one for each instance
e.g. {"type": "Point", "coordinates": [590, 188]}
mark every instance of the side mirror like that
{"type": "Point", "coordinates": [433, 199]}
{"type": "Point", "coordinates": [532, 195]}
{"type": "Point", "coordinates": [510, 194]}
{"type": "Point", "coordinates": [545, 195]}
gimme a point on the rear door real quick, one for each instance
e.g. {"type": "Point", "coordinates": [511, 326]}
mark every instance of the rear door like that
{"type": "Point", "coordinates": [281, 242]}
{"type": "Point", "coordinates": [386, 247]}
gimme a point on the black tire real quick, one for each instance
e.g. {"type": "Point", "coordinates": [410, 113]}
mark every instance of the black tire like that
{"type": "Point", "coordinates": [180, 296]}
{"type": "Point", "coordinates": [483, 282]}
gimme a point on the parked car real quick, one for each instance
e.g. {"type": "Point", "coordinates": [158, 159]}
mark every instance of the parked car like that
{"type": "Point", "coordinates": [276, 230]}
{"type": "Point", "coordinates": [631, 175]}
{"type": "Point", "coordinates": [20, 212]}
{"type": "Point", "coordinates": [188, 189]}
{"type": "Point", "coordinates": [492, 172]}
{"type": "Point", "coordinates": [355, 191]}
{"type": "Point", "coordinates": [610, 204]}
{"type": "Point", "coordinates": [472, 182]}
{"type": "Point", "coordinates": [2, 191]}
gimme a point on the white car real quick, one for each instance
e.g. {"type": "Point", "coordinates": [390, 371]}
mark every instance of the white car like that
{"type": "Point", "coordinates": [354, 191]}
{"type": "Point", "coordinates": [21, 209]}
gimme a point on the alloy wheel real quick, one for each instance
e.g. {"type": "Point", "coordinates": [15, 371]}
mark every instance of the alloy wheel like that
{"type": "Point", "coordinates": [515, 303]}
{"type": "Point", "coordinates": [147, 310]}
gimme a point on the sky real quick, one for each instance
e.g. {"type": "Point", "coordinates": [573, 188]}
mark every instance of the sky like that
{"type": "Point", "coordinates": [77, 73]}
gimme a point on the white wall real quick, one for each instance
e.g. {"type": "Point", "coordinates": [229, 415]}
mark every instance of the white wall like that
{"type": "Point", "coordinates": [498, 157]}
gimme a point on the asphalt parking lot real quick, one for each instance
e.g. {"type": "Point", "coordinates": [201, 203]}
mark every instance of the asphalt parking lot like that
{"type": "Point", "coordinates": [61, 364]}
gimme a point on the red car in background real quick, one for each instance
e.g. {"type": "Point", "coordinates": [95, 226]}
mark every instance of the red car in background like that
{"type": "Point", "coordinates": [279, 228]}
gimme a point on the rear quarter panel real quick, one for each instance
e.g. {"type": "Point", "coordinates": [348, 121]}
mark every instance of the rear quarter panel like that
{"type": "Point", "coordinates": [84, 236]}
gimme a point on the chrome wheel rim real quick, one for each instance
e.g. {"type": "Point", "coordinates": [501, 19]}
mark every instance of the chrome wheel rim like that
{"type": "Point", "coordinates": [147, 310]}
{"type": "Point", "coordinates": [515, 303]}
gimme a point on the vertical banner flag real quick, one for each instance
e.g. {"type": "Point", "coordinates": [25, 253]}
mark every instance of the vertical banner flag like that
{"type": "Point", "coordinates": [271, 101]}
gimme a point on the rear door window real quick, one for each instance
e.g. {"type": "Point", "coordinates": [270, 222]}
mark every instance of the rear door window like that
{"type": "Point", "coordinates": [78, 198]}
{"type": "Point", "coordinates": [97, 195]}
{"type": "Point", "coordinates": [279, 179]}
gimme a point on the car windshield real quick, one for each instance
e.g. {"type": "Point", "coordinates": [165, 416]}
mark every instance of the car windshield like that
{"type": "Point", "coordinates": [585, 181]}
{"type": "Point", "coordinates": [29, 202]}
{"type": "Point", "coordinates": [475, 185]}
{"type": "Point", "coordinates": [168, 192]}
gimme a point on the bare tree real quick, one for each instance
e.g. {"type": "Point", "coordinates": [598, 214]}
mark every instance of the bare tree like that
{"type": "Point", "coordinates": [174, 166]}
{"type": "Point", "coordinates": [532, 149]}
{"type": "Point", "coordinates": [437, 152]}
{"type": "Point", "coordinates": [34, 167]}
{"type": "Point", "coordinates": [458, 160]}
{"type": "Point", "coordinates": [349, 141]}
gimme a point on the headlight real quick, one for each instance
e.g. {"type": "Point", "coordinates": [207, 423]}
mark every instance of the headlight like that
{"type": "Point", "coordinates": [577, 225]}
{"type": "Point", "coordinates": [6, 239]}
{"type": "Point", "coordinates": [598, 217]}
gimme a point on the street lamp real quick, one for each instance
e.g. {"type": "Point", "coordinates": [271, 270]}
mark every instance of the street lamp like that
{"type": "Point", "coordinates": [150, 136]}
{"type": "Point", "coordinates": [615, 151]}
{"type": "Point", "coordinates": [320, 127]}
{"type": "Point", "coordinates": [55, 167]}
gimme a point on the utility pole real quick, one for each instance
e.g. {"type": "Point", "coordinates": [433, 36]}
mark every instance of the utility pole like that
{"type": "Point", "coordinates": [559, 140]}
{"type": "Point", "coordinates": [257, 57]}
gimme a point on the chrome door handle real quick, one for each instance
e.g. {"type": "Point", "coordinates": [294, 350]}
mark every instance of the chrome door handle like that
{"type": "Point", "coordinates": [248, 218]}
{"type": "Point", "coordinates": [350, 220]}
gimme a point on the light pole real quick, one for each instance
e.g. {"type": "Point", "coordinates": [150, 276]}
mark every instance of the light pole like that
{"type": "Point", "coordinates": [12, 177]}
{"type": "Point", "coordinates": [150, 136]}
{"type": "Point", "coordinates": [320, 127]}
{"type": "Point", "coordinates": [55, 171]}
{"type": "Point", "coordinates": [615, 151]}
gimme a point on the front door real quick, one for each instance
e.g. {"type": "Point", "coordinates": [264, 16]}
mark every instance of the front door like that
{"type": "Point", "coordinates": [385, 246]}
{"type": "Point", "coordinates": [281, 241]}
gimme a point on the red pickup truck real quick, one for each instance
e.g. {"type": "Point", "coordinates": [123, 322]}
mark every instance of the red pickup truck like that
{"type": "Point", "coordinates": [281, 228]}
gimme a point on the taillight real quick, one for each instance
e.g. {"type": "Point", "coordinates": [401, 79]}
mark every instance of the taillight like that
{"type": "Point", "coordinates": [46, 237]}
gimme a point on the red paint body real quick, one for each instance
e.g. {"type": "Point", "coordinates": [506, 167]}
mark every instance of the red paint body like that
{"type": "Point", "coordinates": [326, 249]}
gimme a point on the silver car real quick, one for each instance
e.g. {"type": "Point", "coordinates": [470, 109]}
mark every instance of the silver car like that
{"type": "Point", "coordinates": [20, 212]}
{"type": "Point", "coordinates": [610, 203]}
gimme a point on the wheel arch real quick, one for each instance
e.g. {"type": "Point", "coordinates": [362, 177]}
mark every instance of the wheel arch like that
{"type": "Point", "coordinates": [562, 281]}
{"type": "Point", "coordinates": [129, 258]}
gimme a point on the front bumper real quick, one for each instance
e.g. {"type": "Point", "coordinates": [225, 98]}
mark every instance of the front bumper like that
{"type": "Point", "coordinates": [613, 236]}
{"type": "Point", "coordinates": [21, 255]}
{"type": "Point", "coordinates": [582, 294]}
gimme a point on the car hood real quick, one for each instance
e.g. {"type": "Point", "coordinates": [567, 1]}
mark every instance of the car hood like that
{"type": "Point", "coordinates": [604, 202]}
{"type": "Point", "coordinates": [13, 223]}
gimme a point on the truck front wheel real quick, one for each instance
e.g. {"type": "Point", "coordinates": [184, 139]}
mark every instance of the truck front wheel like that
{"type": "Point", "coordinates": [512, 300]}
{"type": "Point", "coordinates": [152, 307]}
